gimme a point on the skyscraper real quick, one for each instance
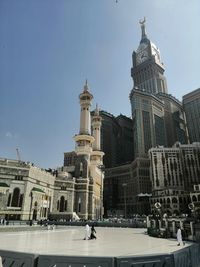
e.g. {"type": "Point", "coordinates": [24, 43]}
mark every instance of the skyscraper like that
{"type": "Point", "coordinates": [148, 122]}
{"type": "Point", "coordinates": [158, 117]}
{"type": "Point", "coordinates": [174, 117]}
{"type": "Point", "coordinates": [148, 70]}
{"type": "Point", "coordinates": [191, 104]}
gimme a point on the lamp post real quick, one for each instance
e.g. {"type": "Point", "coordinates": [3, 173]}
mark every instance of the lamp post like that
{"type": "Point", "coordinates": [157, 205]}
{"type": "Point", "coordinates": [124, 186]}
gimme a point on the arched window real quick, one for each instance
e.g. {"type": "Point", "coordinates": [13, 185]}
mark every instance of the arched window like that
{"type": "Point", "coordinates": [174, 200]}
{"type": "Point", "coordinates": [168, 200]}
{"type": "Point", "coordinates": [15, 197]}
{"type": "Point", "coordinates": [58, 205]}
{"type": "Point", "coordinates": [62, 204]}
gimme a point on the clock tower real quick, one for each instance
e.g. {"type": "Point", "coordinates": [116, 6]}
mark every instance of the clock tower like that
{"type": "Point", "coordinates": [148, 70]}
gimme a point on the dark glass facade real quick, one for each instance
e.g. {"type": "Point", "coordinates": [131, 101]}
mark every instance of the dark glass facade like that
{"type": "Point", "coordinates": [191, 104]}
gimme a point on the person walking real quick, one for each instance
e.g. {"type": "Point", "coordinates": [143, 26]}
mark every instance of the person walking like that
{"type": "Point", "coordinates": [93, 232]}
{"type": "Point", "coordinates": [87, 232]}
{"type": "Point", "coordinates": [179, 237]}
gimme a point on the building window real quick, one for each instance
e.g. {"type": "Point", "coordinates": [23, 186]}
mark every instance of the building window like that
{"type": "Point", "coordinates": [62, 204]}
{"type": "Point", "coordinates": [15, 197]}
{"type": "Point", "coordinates": [18, 177]}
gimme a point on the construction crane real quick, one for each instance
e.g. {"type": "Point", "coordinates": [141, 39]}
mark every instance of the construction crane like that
{"type": "Point", "coordinates": [18, 155]}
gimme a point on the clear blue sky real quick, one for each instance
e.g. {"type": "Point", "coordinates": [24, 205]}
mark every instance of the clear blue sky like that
{"type": "Point", "coordinates": [49, 47]}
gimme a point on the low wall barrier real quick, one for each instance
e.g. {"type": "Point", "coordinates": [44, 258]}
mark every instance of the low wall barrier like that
{"type": "Point", "coordinates": [67, 261]}
{"type": "Point", "coordinates": [146, 261]}
{"type": "Point", "coordinates": [18, 259]}
{"type": "Point", "coordinates": [186, 257]}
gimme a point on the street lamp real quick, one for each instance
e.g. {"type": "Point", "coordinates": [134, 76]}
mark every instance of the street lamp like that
{"type": "Point", "coordinates": [124, 186]}
{"type": "Point", "coordinates": [158, 206]}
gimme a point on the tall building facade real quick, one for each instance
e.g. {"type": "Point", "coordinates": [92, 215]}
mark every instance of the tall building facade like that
{"type": "Point", "coordinates": [127, 189]}
{"type": "Point", "coordinates": [174, 173]}
{"type": "Point", "coordinates": [191, 104]}
{"type": "Point", "coordinates": [148, 122]}
{"type": "Point", "coordinates": [110, 139]}
{"type": "Point", "coordinates": [126, 148]}
{"type": "Point", "coordinates": [175, 121]}
{"type": "Point", "coordinates": [116, 139]}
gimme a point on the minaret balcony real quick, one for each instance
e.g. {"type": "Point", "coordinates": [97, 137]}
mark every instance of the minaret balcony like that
{"type": "Point", "coordinates": [82, 150]}
{"type": "Point", "coordinates": [97, 153]}
{"type": "Point", "coordinates": [84, 137]}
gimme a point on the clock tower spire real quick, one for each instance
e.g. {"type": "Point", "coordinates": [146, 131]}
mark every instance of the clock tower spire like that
{"type": "Point", "coordinates": [148, 70]}
{"type": "Point", "coordinates": [143, 28]}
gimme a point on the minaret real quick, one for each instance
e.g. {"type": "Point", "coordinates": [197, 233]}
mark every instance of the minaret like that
{"type": "Point", "coordinates": [83, 150]}
{"type": "Point", "coordinates": [96, 167]}
{"type": "Point", "coordinates": [84, 139]}
{"type": "Point", "coordinates": [96, 129]}
{"type": "Point", "coordinates": [85, 102]}
{"type": "Point", "coordinates": [97, 154]}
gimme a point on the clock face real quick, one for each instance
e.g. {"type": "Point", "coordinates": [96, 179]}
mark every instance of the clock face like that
{"type": "Point", "coordinates": [142, 56]}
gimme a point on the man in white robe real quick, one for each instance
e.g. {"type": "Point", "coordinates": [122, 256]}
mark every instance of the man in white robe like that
{"type": "Point", "coordinates": [179, 237]}
{"type": "Point", "coordinates": [87, 232]}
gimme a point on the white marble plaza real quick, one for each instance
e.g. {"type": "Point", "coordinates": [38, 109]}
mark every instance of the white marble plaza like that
{"type": "Point", "coordinates": [68, 240]}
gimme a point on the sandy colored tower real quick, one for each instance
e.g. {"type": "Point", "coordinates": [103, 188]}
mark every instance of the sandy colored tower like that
{"type": "Point", "coordinates": [88, 199]}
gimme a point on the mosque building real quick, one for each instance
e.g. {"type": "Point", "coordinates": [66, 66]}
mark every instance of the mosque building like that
{"type": "Point", "coordinates": [70, 192]}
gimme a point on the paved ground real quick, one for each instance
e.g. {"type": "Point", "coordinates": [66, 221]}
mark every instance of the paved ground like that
{"type": "Point", "coordinates": [68, 240]}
